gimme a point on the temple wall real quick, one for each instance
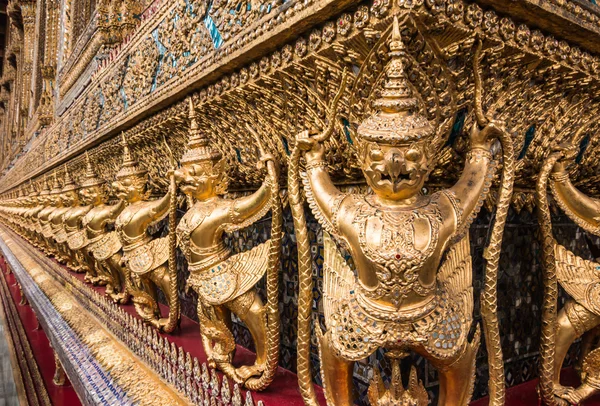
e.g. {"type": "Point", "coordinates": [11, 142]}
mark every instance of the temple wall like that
{"type": "Point", "coordinates": [104, 73]}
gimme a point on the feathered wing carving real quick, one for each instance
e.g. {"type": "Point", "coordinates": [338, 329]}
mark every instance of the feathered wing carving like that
{"type": "Point", "coordinates": [338, 278]}
{"type": "Point", "coordinates": [580, 278]}
{"type": "Point", "coordinates": [250, 266]}
{"type": "Point", "coordinates": [455, 276]}
{"type": "Point", "coordinates": [149, 256]}
{"type": "Point", "coordinates": [234, 276]}
{"type": "Point", "coordinates": [77, 240]}
{"type": "Point", "coordinates": [106, 246]}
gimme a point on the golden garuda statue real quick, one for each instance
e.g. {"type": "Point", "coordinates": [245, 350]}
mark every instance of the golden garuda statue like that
{"type": "Point", "coordinates": [69, 197]}
{"type": "Point", "coordinates": [16, 211]}
{"type": "Point", "coordinates": [99, 245]}
{"type": "Point", "coordinates": [146, 258]}
{"type": "Point", "coordinates": [33, 207]}
{"type": "Point", "coordinates": [54, 203]}
{"type": "Point", "coordinates": [225, 283]}
{"type": "Point", "coordinates": [44, 202]}
{"type": "Point", "coordinates": [75, 238]}
{"type": "Point", "coordinates": [580, 278]}
{"type": "Point", "coordinates": [410, 287]}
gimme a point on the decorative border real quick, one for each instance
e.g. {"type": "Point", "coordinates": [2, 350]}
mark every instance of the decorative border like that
{"type": "Point", "coordinates": [171, 363]}
{"type": "Point", "coordinates": [91, 382]}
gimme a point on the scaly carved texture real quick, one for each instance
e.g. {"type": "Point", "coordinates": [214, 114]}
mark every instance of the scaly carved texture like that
{"type": "Point", "coordinates": [175, 304]}
{"type": "Point", "coordinates": [489, 297]}
{"type": "Point", "coordinates": [305, 282]}
{"type": "Point", "coordinates": [548, 339]}
{"type": "Point", "coordinates": [272, 280]}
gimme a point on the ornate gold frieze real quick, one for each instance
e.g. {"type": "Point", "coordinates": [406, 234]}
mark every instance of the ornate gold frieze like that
{"type": "Point", "coordinates": [523, 62]}
{"type": "Point", "coordinates": [274, 20]}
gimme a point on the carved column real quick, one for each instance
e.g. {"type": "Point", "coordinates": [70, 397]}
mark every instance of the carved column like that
{"type": "Point", "coordinates": [66, 24]}
{"type": "Point", "coordinates": [28, 13]}
{"type": "Point", "coordinates": [13, 75]}
{"type": "Point", "coordinates": [46, 109]}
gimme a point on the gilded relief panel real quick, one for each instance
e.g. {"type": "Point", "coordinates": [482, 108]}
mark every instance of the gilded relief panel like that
{"type": "Point", "coordinates": [297, 81]}
{"type": "Point", "coordinates": [537, 85]}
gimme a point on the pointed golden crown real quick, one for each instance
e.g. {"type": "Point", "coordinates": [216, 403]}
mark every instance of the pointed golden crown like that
{"type": "Point", "coordinates": [69, 184]}
{"type": "Point", "coordinates": [56, 188]}
{"type": "Point", "coordinates": [130, 166]}
{"type": "Point", "coordinates": [45, 188]}
{"type": "Point", "coordinates": [32, 189]}
{"type": "Point", "coordinates": [198, 147]}
{"type": "Point", "coordinates": [396, 394]}
{"type": "Point", "coordinates": [397, 119]}
{"type": "Point", "coordinates": [90, 178]}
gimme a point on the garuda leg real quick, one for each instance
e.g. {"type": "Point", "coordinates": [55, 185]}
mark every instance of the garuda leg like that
{"type": "Point", "coordinates": [573, 321]}
{"type": "Point", "coordinates": [337, 375]}
{"type": "Point", "coordinates": [250, 309]}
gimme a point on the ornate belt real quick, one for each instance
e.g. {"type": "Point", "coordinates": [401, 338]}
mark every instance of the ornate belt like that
{"type": "Point", "coordinates": [213, 256]}
{"type": "Point", "coordinates": [390, 313]}
{"type": "Point", "coordinates": [133, 243]}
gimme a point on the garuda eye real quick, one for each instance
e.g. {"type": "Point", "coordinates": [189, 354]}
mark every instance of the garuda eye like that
{"type": "Point", "coordinates": [413, 155]}
{"type": "Point", "coordinates": [376, 155]}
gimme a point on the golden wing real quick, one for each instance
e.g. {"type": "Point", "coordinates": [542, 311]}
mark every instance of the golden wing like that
{"type": "Point", "coordinates": [455, 276]}
{"type": "Point", "coordinates": [338, 278]}
{"type": "Point", "coordinates": [578, 277]}
{"type": "Point", "coordinates": [249, 266]}
{"type": "Point", "coordinates": [159, 247]}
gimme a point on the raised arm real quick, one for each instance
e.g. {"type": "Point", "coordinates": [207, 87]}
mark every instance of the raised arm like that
{"type": "Point", "coordinates": [580, 205]}
{"type": "Point", "coordinates": [248, 206]}
{"type": "Point", "coordinates": [115, 210]}
{"type": "Point", "coordinates": [158, 208]}
{"type": "Point", "coordinates": [325, 194]}
{"type": "Point", "coordinates": [471, 184]}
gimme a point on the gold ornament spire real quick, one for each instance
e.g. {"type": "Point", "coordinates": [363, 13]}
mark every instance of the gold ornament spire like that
{"type": "Point", "coordinates": [198, 148]}
{"type": "Point", "coordinates": [130, 166]}
{"type": "Point", "coordinates": [32, 189]}
{"type": "Point", "coordinates": [45, 188]}
{"type": "Point", "coordinates": [69, 184]}
{"type": "Point", "coordinates": [56, 188]}
{"type": "Point", "coordinates": [397, 119]}
{"type": "Point", "coordinates": [90, 178]}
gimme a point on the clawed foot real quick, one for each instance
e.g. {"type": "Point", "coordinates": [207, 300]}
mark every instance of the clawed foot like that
{"type": "Point", "coordinates": [573, 396]}
{"type": "Point", "coordinates": [91, 279]}
{"type": "Point", "coordinates": [120, 298]}
{"type": "Point", "coordinates": [566, 395]}
{"type": "Point", "coordinates": [159, 324]}
{"type": "Point", "coordinates": [248, 371]}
